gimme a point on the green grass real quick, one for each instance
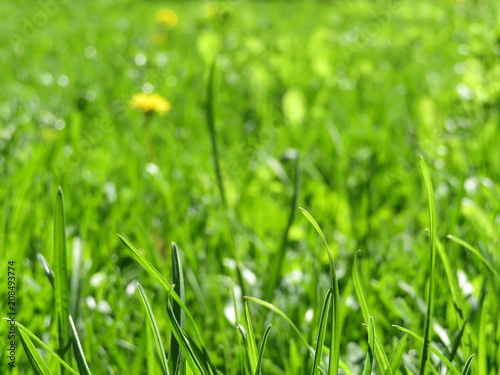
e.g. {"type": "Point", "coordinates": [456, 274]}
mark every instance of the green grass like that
{"type": "Point", "coordinates": [275, 106]}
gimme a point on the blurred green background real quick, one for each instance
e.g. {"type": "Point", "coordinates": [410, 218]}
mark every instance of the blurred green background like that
{"type": "Point", "coordinates": [358, 88]}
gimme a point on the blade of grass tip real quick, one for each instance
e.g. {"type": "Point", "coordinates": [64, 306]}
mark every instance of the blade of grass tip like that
{"type": "Point", "coordinates": [246, 361]}
{"type": "Point", "coordinates": [468, 365]}
{"type": "Point", "coordinates": [371, 347]}
{"type": "Point", "coordinates": [358, 286]}
{"type": "Point", "coordinates": [432, 348]}
{"type": "Point", "coordinates": [397, 355]}
{"type": "Point", "coordinates": [432, 248]}
{"type": "Point", "coordinates": [27, 332]}
{"type": "Point", "coordinates": [35, 359]}
{"type": "Point", "coordinates": [154, 329]}
{"type": "Point", "coordinates": [178, 276]}
{"type": "Point", "coordinates": [476, 252]}
{"type": "Point", "coordinates": [321, 333]}
{"type": "Point", "coordinates": [276, 268]}
{"type": "Point", "coordinates": [334, 355]}
{"type": "Point", "coordinates": [252, 346]}
{"type": "Point", "coordinates": [61, 280]}
{"type": "Point", "coordinates": [141, 259]}
{"type": "Point", "coordinates": [262, 348]}
{"type": "Point", "coordinates": [456, 342]}
{"type": "Point", "coordinates": [46, 268]}
{"type": "Point", "coordinates": [78, 350]}
{"type": "Point", "coordinates": [285, 317]}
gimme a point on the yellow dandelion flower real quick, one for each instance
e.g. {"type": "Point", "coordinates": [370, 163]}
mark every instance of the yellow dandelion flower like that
{"type": "Point", "coordinates": [150, 103]}
{"type": "Point", "coordinates": [167, 18]}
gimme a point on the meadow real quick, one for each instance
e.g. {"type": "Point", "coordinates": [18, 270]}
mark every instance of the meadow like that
{"type": "Point", "coordinates": [195, 130]}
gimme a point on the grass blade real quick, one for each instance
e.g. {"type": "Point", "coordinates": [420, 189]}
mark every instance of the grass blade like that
{"type": "Point", "coordinates": [431, 348]}
{"type": "Point", "coordinates": [162, 281]}
{"type": "Point", "coordinates": [46, 269]}
{"type": "Point", "coordinates": [211, 116]}
{"type": "Point", "coordinates": [397, 355]}
{"type": "Point", "coordinates": [252, 346]}
{"type": "Point", "coordinates": [276, 268]}
{"type": "Point", "coordinates": [452, 281]}
{"type": "Point", "coordinates": [262, 348]}
{"type": "Point", "coordinates": [61, 280]}
{"type": "Point", "coordinates": [63, 363]}
{"type": "Point", "coordinates": [321, 333]}
{"type": "Point", "coordinates": [358, 286]}
{"type": "Point", "coordinates": [154, 329]}
{"type": "Point", "coordinates": [246, 362]}
{"type": "Point", "coordinates": [178, 276]}
{"type": "Point", "coordinates": [35, 359]}
{"type": "Point", "coordinates": [432, 246]}
{"type": "Point", "coordinates": [476, 252]}
{"type": "Point", "coordinates": [371, 347]}
{"type": "Point", "coordinates": [456, 342]}
{"type": "Point", "coordinates": [196, 363]}
{"type": "Point", "coordinates": [76, 277]}
{"type": "Point", "coordinates": [284, 316]}
{"type": "Point", "coordinates": [482, 345]}
{"type": "Point", "coordinates": [334, 355]}
{"type": "Point", "coordinates": [468, 365]}
{"type": "Point", "coordinates": [81, 362]}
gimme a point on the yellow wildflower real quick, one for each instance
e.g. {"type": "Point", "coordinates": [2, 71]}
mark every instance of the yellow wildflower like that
{"type": "Point", "coordinates": [151, 103]}
{"type": "Point", "coordinates": [167, 18]}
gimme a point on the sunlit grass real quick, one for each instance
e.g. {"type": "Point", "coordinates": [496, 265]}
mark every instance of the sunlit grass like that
{"type": "Point", "coordinates": [267, 107]}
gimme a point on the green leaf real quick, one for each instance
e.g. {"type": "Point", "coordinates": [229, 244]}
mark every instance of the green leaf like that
{"type": "Point", "coordinates": [431, 348]}
{"type": "Point", "coordinates": [334, 355]}
{"type": "Point", "coordinates": [283, 315]}
{"type": "Point", "coordinates": [452, 282]}
{"type": "Point", "coordinates": [211, 117]}
{"type": "Point", "coordinates": [262, 348]}
{"type": "Point", "coordinates": [154, 329]}
{"type": "Point", "coordinates": [76, 277]}
{"type": "Point", "coordinates": [27, 332]}
{"type": "Point", "coordinates": [468, 365]}
{"type": "Point", "coordinates": [397, 355]}
{"type": "Point", "coordinates": [358, 286]}
{"type": "Point", "coordinates": [46, 268]}
{"type": "Point", "coordinates": [477, 253]}
{"type": "Point", "coordinates": [81, 362]}
{"type": "Point", "coordinates": [321, 333]}
{"type": "Point", "coordinates": [194, 356]}
{"type": "Point", "coordinates": [178, 276]}
{"type": "Point", "coordinates": [61, 280]}
{"type": "Point", "coordinates": [276, 266]}
{"type": "Point", "coordinates": [36, 360]}
{"type": "Point", "coordinates": [371, 347]}
{"type": "Point", "coordinates": [252, 346]}
{"type": "Point", "coordinates": [432, 250]}
{"type": "Point", "coordinates": [162, 281]}
{"type": "Point", "coordinates": [246, 360]}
